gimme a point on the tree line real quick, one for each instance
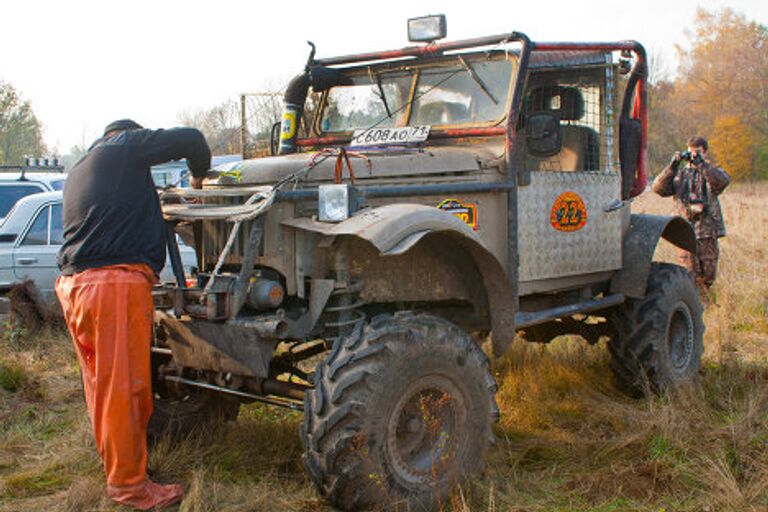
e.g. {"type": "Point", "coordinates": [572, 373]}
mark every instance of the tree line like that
{"type": "Point", "coordinates": [20, 130]}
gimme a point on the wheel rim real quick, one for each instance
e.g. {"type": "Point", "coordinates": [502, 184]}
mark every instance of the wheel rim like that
{"type": "Point", "coordinates": [422, 433]}
{"type": "Point", "coordinates": [681, 337]}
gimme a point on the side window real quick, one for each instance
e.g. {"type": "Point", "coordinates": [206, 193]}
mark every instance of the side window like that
{"type": "Point", "coordinates": [57, 229]}
{"type": "Point", "coordinates": [38, 232]}
{"type": "Point", "coordinates": [9, 194]}
{"type": "Point", "coordinates": [565, 125]}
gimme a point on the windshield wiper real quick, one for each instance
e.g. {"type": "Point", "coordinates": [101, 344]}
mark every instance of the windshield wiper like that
{"type": "Point", "coordinates": [478, 80]}
{"type": "Point", "coordinates": [381, 94]}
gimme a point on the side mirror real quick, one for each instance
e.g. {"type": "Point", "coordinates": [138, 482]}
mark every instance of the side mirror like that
{"type": "Point", "coordinates": [542, 139]}
{"type": "Point", "coordinates": [542, 134]}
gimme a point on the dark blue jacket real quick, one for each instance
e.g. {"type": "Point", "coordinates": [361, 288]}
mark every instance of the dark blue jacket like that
{"type": "Point", "coordinates": [111, 209]}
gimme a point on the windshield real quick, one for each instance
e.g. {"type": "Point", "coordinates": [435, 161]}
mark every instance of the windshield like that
{"type": "Point", "coordinates": [459, 90]}
{"type": "Point", "coordinates": [369, 100]}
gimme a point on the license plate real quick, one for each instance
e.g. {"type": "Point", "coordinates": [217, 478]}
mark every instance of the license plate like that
{"type": "Point", "coordinates": [379, 136]}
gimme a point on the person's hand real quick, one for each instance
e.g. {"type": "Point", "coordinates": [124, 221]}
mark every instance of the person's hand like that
{"type": "Point", "coordinates": [196, 182]}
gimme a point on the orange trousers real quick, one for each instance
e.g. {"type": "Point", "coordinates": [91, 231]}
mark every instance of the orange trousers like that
{"type": "Point", "coordinates": [109, 312]}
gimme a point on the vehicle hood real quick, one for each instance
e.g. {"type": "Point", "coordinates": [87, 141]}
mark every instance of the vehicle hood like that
{"type": "Point", "coordinates": [371, 165]}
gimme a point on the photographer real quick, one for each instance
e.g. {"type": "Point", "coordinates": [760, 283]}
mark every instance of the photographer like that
{"type": "Point", "coordinates": [695, 187]}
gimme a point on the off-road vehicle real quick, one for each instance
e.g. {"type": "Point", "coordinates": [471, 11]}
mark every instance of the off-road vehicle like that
{"type": "Point", "coordinates": [443, 194]}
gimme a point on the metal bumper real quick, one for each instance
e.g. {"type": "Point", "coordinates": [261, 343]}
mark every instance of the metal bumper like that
{"type": "Point", "coordinates": [215, 346]}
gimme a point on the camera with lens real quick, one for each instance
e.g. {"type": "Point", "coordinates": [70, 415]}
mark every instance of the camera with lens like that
{"type": "Point", "coordinates": [686, 155]}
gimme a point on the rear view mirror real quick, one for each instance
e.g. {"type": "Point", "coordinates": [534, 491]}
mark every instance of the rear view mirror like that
{"type": "Point", "coordinates": [542, 134]}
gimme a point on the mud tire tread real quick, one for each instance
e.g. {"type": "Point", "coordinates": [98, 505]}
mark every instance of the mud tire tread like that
{"type": "Point", "coordinates": [336, 457]}
{"type": "Point", "coordinates": [639, 353]}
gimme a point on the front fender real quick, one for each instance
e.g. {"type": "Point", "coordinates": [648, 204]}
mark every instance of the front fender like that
{"type": "Point", "coordinates": [640, 243]}
{"type": "Point", "coordinates": [392, 229]}
{"type": "Point", "coordinates": [396, 228]}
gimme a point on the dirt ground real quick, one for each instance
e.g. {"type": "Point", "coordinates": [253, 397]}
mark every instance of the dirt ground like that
{"type": "Point", "coordinates": [566, 441]}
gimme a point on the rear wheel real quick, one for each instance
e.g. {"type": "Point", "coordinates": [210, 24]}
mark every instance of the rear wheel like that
{"type": "Point", "coordinates": [659, 338]}
{"type": "Point", "coordinates": [401, 411]}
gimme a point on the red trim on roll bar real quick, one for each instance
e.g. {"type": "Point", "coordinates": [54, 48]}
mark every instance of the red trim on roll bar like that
{"type": "Point", "coordinates": [437, 134]}
{"type": "Point", "coordinates": [419, 51]}
{"type": "Point", "coordinates": [640, 106]}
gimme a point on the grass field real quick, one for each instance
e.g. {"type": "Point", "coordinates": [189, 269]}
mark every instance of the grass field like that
{"type": "Point", "coordinates": [567, 440]}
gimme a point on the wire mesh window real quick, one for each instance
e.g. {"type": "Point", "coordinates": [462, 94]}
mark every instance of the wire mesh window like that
{"type": "Point", "coordinates": [566, 123]}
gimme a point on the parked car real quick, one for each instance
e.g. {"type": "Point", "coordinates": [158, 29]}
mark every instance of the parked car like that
{"type": "Point", "coordinates": [172, 173]}
{"type": "Point", "coordinates": [15, 185]}
{"type": "Point", "coordinates": [30, 238]}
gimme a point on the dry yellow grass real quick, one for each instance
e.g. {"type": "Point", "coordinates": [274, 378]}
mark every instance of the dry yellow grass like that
{"type": "Point", "coordinates": [567, 440]}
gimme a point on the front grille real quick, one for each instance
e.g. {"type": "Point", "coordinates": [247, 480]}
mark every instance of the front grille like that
{"type": "Point", "coordinates": [216, 232]}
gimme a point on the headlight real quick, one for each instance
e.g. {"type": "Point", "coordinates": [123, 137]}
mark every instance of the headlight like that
{"type": "Point", "coordinates": [333, 203]}
{"type": "Point", "coordinates": [426, 28]}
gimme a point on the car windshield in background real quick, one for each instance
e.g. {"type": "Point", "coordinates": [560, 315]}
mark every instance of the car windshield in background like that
{"type": "Point", "coordinates": [461, 90]}
{"type": "Point", "coordinates": [176, 173]}
{"type": "Point", "coordinates": [171, 174]}
{"type": "Point", "coordinates": [9, 194]}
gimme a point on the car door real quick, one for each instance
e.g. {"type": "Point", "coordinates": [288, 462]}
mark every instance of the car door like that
{"type": "Point", "coordinates": [570, 214]}
{"type": "Point", "coordinates": [34, 255]}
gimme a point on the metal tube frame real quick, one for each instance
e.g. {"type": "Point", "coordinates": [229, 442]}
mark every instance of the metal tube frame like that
{"type": "Point", "coordinates": [636, 88]}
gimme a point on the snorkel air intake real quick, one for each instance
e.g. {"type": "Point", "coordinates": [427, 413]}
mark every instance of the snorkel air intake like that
{"type": "Point", "coordinates": [315, 75]}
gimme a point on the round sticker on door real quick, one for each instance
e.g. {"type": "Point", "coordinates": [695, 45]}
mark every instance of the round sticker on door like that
{"type": "Point", "coordinates": [569, 213]}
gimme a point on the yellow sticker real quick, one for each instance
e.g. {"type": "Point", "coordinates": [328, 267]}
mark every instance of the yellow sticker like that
{"type": "Point", "coordinates": [288, 129]}
{"type": "Point", "coordinates": [467, 212]}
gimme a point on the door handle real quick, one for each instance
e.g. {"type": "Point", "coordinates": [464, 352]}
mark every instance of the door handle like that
{"type": "Point", "coordinates": [26, 261]}
{"type": "Point", "coordinates": [613, 206]}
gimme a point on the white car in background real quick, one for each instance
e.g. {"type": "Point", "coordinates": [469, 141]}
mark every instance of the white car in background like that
{"type": "Point", "coordinates": [31, 236]}
{"type": "Point", "coordinates": [15, 185]}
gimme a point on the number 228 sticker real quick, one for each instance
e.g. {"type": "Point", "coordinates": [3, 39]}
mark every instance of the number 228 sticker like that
{"type": "Point", "coordinates": [569, 213]}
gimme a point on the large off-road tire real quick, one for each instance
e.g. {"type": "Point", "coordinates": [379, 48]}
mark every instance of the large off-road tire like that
{"type": "Point", "coordinates": [401, 411]}
{"type": "Point", "coordinates": [179, 409]}
{"type": "Point", "coordinates": [659, 339]}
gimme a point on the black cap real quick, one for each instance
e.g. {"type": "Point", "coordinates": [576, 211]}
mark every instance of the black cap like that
{"type": "Point", "coordinates": [122, 125]}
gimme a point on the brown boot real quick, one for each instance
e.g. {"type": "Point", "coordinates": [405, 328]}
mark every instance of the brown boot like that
{"type": "Point", "coordinates": [147, 495]}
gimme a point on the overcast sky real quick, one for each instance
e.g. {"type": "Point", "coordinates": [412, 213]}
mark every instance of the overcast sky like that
{"type": "Point", "coordinates": [85, 63]}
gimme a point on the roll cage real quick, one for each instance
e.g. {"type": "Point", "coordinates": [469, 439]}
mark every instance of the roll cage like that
{"type": "Point", "coordinates": [633, 114]}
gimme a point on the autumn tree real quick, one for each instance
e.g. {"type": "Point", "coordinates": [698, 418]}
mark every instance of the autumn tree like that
{"type": "Point", "coordinates": [720, 92]}
{"type": "Point", "coordinates": [20, 130]}
{"type": "Point", "coordinates": [221, 123]}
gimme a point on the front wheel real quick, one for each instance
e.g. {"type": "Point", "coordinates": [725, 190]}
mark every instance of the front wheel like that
{"type": "Point", "coordinates": [659, 339]}
{"type": "Point", "coordinates": [401, 412]}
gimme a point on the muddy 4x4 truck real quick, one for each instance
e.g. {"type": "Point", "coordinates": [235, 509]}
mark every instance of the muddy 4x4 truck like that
{"type": "Point", "coordinates": [442, 194]}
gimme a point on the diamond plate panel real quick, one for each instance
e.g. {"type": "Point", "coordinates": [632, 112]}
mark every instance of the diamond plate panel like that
{"type": "Point", "coordinates": [548, 253]}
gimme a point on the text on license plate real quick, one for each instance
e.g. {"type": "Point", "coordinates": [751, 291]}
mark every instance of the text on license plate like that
{"type": "Point", "coordinates": [378, 136]}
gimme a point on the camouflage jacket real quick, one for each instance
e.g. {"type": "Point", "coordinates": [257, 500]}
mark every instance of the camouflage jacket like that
{"type": "Point", "coordinates": [695, 189]}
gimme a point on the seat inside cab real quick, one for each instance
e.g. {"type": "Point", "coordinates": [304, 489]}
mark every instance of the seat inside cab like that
{"type": "Point", "coordinates": [553, 135]}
